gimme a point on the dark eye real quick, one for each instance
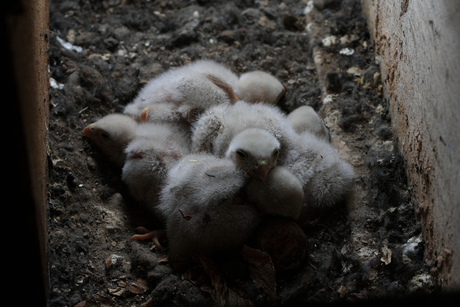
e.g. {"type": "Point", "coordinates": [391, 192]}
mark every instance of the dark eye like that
{"type": "Point", "coordinates": [241, 155]}
{"type": "Point", "coordinates": [105, 136]}
{"type": "Point", "coordinates": [275, 154]}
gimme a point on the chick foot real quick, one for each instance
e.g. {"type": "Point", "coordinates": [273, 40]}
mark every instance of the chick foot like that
{"type": "Point", "coordinates": [146, 234]}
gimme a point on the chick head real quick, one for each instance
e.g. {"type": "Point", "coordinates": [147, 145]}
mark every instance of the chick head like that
{"type": "Point", "coordinates": [259, 86]}
{"type": "Point", "coordinates": [255, 151]}
{"type": "Point", "coordinates": [111, 133]}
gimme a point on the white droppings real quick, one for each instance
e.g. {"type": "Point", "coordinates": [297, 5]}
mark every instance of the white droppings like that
{"type": "Point", "coordinates": [328, 99]}
{"type": "Point", "coordinates": [330, 40]}
{"type": "Point", "coordinates": [347, 51]}
{"type": "Point", "coordinates": [54, 84]}
{"type": "Point", "coordinates": [309, 7]}
{"type": "Point", "coordinates": [68, 45]}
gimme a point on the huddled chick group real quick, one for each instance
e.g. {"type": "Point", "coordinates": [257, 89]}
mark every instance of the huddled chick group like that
{"type": "Point", "coordinates": [212, 154]}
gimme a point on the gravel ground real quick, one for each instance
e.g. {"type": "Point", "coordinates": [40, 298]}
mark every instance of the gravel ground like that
{"type": "Point", "coordinates": [103, 52]}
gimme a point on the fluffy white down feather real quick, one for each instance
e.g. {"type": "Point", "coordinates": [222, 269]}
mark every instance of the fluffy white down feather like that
{"type": "Point", "coordinates": [181, 92]}
{"type": "Point", "coordinates": [154, 150]}
{"type": "Point", "coordinates": [216, 128]}
{"type": "Point", "coordinates": [253, 135]}
{"type": "Point", "coordinates": [325, 177]}
{"type": "Point", "coordinates": [305, 118]}
{"type": "Point", "coordinates": [204, 208]}
{"type": "Point", "coordinates": [259, 86]}
{"type": "Point", "coordinates": [281, 194]}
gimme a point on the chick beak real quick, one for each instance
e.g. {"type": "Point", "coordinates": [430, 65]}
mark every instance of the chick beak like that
{"type": "Point", "coordinates": [262, 170]}
{"type": "Point", "coordinates": [87, 131]}
{"type": "Point", "coordinates": [281, 94]}
{"type": "Point", "coordinates": [144, 115]}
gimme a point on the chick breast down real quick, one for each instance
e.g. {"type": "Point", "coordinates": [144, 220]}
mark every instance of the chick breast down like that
{"type": "Point", "coordinates": [154, 150]}
{"type": "Point", "coordinates": [203, 208]}
{"type": "Point", "coordinates": [181, 92]}
{"type": "Point", "coordinates": [281, 194]}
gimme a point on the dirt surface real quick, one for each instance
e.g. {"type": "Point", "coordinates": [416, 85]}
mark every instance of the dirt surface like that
{"type": "Point", "coordinates": [367, 248]}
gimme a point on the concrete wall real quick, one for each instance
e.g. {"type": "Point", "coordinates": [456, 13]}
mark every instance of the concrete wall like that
{"type": "Point", "coordinates": [418, 43]}
{"type": "Point", "coordinates": [24, 33]}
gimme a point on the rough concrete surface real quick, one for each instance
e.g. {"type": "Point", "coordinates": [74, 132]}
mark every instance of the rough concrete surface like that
{"type": "Point", "coordinates": [418, 43]}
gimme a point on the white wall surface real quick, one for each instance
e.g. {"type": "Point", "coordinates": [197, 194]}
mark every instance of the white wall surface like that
{"type": "Point", "coordinates": [418, 44]}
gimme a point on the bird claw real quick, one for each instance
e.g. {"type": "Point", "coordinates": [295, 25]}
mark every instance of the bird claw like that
{"type": "Point", "coordinates": [146, 234]}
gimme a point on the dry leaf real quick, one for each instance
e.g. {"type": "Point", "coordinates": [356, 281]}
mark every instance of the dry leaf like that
{"type": "Point", "coordinates": [148, 303]}
{"type": "Point", "coordinates": [116, 291]}
{"type": "Point", "coordinates": [358, 80]}
{"type": "Point", "coordinates": [342, 290]}
{"type": "Point", "coordinates": [234, 299]}
{"type": "Point", "coordinates": [105, 301]}
{"type": "Point", "coordinates": [284, 241]}
{"type": "Point", "coordinates": [138, 287]}
{"type": "Point", "coordinates": [163, 259]}
{"type": "Point", "coordinates": [205, 276]}
{"type": "Point", "coordinates": [261, 270]}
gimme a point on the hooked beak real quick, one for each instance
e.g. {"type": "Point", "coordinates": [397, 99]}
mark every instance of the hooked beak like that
{"type": "Point", "coordinates": [281, 94]}
{"type": "Point", "coordinates": [144, 115]}
{"type": "Point", "coordinates": [87, 131]}
{"type": "Point", "coordinates": [261, 171]}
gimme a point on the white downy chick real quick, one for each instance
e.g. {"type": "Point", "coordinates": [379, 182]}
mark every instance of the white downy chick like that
{"type": "Point", "coordinates": [254, 136]}
{"type": "Point", "coordinates": [325, 177]}
{"type": "Point", "coordinates": [183, 92]}
{"type": "Point", "coordinates": [259, 86]}
{"type": "Point", "coordinates": [281, 194]}
{"type": "Point", "coordinates": [156, 147]}
{"type": "Point", "coordinates": [111, 134]}
{"type": "Point", "coordinates": [305, 118]}
{"type": "Point", "coordinates": [204, 207]}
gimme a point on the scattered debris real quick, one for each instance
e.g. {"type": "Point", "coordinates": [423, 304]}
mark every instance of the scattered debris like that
{"type": "Point", "coordinates": [330, 40]}
{"type": "Point", "coordinates": [68, 45]}
{"type": "Point", "coordinates": [113, 260]}
{"type": "Point", "coordinates": [421, 283]}
{"type": "Point", "coordinates": [386, 255]}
